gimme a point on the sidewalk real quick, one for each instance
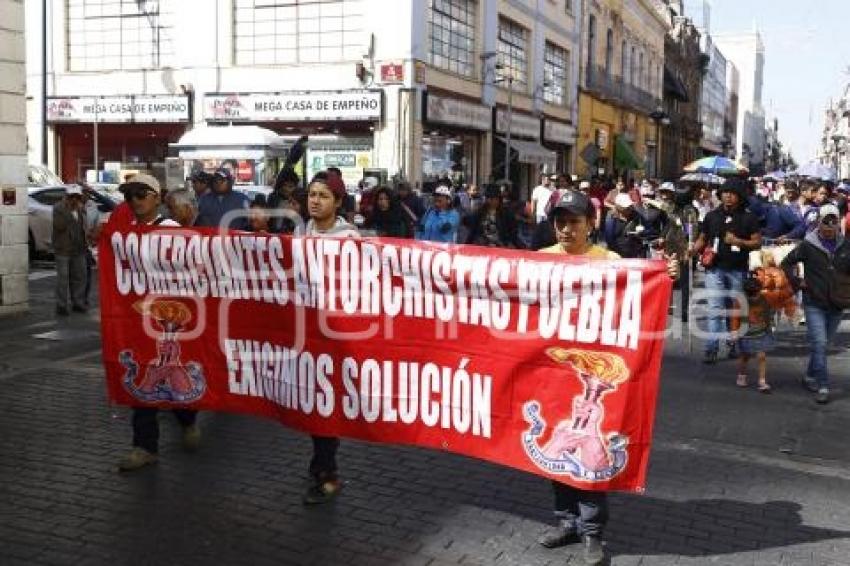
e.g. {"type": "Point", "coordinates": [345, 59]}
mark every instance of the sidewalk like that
{"type": "Point", "coordinates": [736, 477]}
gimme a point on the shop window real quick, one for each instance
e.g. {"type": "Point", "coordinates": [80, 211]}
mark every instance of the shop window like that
{"type": "Point", "coordinates": [119, 34]}
{"type": "Point", "coordinates": [556, 74]}
{"type": "Point", "coordinates": [513, 54]}
{"type": "Point", "coordinates": [452, 35]}
{"type": "Point", "coordinates": [270, 32]}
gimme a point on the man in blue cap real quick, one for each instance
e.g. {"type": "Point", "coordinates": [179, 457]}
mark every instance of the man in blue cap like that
{"type": "Point", "coordinates": [214, 205]}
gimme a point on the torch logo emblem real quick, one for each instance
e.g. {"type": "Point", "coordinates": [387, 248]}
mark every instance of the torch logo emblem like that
{"type": "Point", "coordinates": [166, 378]}
{"type": "Point", "coordinates": [577, 447]}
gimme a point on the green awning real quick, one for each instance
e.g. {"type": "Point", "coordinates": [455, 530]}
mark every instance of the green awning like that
{"type": "Point", "coordinates": [624, 155]}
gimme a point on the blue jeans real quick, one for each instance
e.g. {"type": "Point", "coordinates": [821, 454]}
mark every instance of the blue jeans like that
{"type": "Point", "coordinates": [821, 327]}
{"type": "Point", "coordinates": [718, 282]}
{"type": "Point", "coordinates": [587, 511]}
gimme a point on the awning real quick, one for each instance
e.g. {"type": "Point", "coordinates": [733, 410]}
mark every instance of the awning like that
{"type": "Point", "coordinates": [532, 152]}
{"type": "Point", "coordinates": [624, 156]}
{"type": "Point", "coordinates": [675, 86]}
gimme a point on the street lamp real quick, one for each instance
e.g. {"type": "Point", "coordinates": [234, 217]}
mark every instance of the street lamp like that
{"type": "Point", "coordinates": [659, 116]}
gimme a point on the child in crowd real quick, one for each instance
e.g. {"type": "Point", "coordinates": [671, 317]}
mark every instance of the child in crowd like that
{"type": "Point", "coordinates": [757, 338]}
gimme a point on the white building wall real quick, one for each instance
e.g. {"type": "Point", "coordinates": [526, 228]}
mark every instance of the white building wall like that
{"type": "Point", "coordinates": [746, 51]}
{"type": "Point", "coordinates": [13, 161]}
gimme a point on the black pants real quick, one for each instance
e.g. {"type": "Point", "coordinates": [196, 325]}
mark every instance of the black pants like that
{"type": "Point", "coordinates": [146, 427]}
{"type": "Point", "coordinates": [323, 463]}
{"type": "Point", "coordinates": [586, 510]}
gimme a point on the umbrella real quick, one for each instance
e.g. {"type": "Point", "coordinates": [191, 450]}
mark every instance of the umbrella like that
{"type": "Point", "coordinates": [777, 175]}
{"type": "Point", "coordinates": [706, 178]}
{"type": "Point", "coordinates": [816, 170]}
{"type": "Point", "coordinates": [716, 165]}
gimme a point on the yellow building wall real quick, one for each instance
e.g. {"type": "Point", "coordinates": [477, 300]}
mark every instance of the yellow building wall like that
{"type": "Point", "coordinates": [594, 115]}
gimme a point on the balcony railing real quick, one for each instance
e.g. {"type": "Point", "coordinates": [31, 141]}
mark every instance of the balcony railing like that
{"type": "Point", "coordinates": [610, 86]}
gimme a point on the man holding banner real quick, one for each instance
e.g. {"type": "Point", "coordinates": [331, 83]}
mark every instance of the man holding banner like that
{"type": "Point", "coordinates": [581, 513]}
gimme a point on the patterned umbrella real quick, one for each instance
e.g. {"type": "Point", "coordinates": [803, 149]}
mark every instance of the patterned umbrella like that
{"type": "Point", "coordinates": [717, 165]}
{"type": "Point", "coordinates": [706, 178]}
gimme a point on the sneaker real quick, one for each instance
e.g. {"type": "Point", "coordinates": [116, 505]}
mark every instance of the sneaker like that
{"type": "Point", "coordinates": [563, 534]}
{"type": "Point", "coordinates": [710, 358]}
{"type": "Point", "coordinates": [593, 553]}
{"type": "Point", "coordinates": [822, 396]}
{"type": "Point", "coordinates": [191, 438]}
{"type": "Point", "coordinates": [809, 384]}
{"type": "Point", "coordinates": [137, 458]}
{"type": "Point", "coordinates": [322, 492]}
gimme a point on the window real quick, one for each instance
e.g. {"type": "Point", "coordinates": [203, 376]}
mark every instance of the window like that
{"type": "Point", "coordinates": [624, 62]}
{"type": "Point", "coordinates": [513, 54]}
{"type": "Point", "coordinates": [556, 72]}
{"type": "Point", "coordinates": [633, 67]}
{"type": "Point", "coordinates": [609, 52]}
{"type": "Point", "coordinates": [452, 35]}
{"type": "Point", "coordinates": [119, 34]}
{"type": "Point", "coordinates": [641, 71]}
{"type": "Point", "coordinates": [568, 6]}
{"type": "Point", "coordinates": [269, 32]}
{"type": "Point", "coordinates": [591, 41]}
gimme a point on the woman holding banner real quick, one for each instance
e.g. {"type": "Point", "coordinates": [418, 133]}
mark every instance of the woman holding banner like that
{"type": "Point", "coordinates": [581, 514]}
{"type": "Point", "coordinates": [324, 199]}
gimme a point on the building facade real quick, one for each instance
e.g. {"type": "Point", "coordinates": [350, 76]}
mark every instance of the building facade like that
{"type": "Point", "coordinates": [684, 67]}
{"type": "Point", "coordinates": [835, 141]}
{"type": "Point", "coordinates": [746, 51]}
{"type": "Point", "coordinates": [13, 162]}
{"type": "Point", "coordinates": [621, 86]}
{"type": "Point", "coordinates": [424, 98]}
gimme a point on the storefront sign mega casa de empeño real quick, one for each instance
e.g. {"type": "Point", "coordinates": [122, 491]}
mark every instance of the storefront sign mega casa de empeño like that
{"type": "Point", "coordinates": [363, 105]}
{"type": "Point", "coordinates": [120, 109]}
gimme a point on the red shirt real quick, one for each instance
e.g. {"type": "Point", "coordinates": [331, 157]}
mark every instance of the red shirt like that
{"type": "Point", "coordinates": [122, 217]}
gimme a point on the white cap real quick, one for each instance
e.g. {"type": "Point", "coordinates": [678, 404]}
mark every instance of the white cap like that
{"type": "Point", "coordinates": [370, 182]}
{"type": "Point", "coordinates": [623, 200]}
{"type": "Point", "coordinates": [668, 186]}
{"type": "Point", "coordinates": [646, 190]}
{"type": "Point", "coordinates": [584, 185]}
{"type": "Point", "coordinates": [443, 190]}
{"type": "Point", "coordinates": [73, 190]}
{"type": "Point", "coordinates": [828, 210]}
{"type": "Point", "coordinates": [147, 180]}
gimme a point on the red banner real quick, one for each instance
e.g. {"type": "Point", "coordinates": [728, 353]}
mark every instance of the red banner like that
{"type": "Point", "coordinates": [543, 362]}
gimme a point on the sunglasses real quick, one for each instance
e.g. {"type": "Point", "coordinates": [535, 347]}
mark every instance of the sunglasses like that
{"type": "Point", "coordinates": [830, 221]}
{"type": "Point", "coordinates": [138, 194]}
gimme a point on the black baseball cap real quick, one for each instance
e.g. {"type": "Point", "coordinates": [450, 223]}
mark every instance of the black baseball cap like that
{"type": "Point", "coordinates": [574, 203]}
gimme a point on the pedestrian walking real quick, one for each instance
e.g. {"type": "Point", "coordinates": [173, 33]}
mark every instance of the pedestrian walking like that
{"type": "Point", "coordinates": [756, 338]}
{"type": "Point", "coordinates": [825, 256]}
{"type": "Point", "coordinates": [69, 247]}
{"type": "Point", "coordinates": [386, 218]}
{"type": "Point", "coordinates": [727, 236]}
{"type": "Point", "coordinates": [144, 196]}
{"type": "Point", "coordinates": [493, 225]}
{"type": "Point", "coordinates": [201, 182]}
{"type": "Point", "coordinates": [540, 198]}
{"type": "Point", "coordinates": [441, 222]}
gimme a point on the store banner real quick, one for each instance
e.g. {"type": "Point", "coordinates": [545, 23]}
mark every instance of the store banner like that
{"type": "Point", "coordinates": [363, 105]}
{"type": "Point", "coordinates": [454, 112]}
{"type": "Point", "coordinates": [542, 362]}
{"type": "Point", "coordinates": [119, 109]}
{"type": "Point", "coordinates": [521, 124]}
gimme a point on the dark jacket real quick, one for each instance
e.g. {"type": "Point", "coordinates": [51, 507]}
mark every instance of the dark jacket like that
{"type": "Point", "coordinates": [69, 233]}
{"type": "Point", "coordinates": [777, 220]}
{"type": "Point", "coordinates": [212, 207]}
{"type": "Point", "coordinates": [820, 267]}
{"type": "Point", "coordinates": [389, 223]}
{"type": "Point", "coordinates": [505, 224]}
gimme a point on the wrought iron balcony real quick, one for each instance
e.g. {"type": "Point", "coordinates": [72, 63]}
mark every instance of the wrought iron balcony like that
{"type": "Point", "coordinates": [611, 87]}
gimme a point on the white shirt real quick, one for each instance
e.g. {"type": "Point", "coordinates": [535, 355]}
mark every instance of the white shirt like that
{"type": "Point", "coordinates": [539, 199]}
